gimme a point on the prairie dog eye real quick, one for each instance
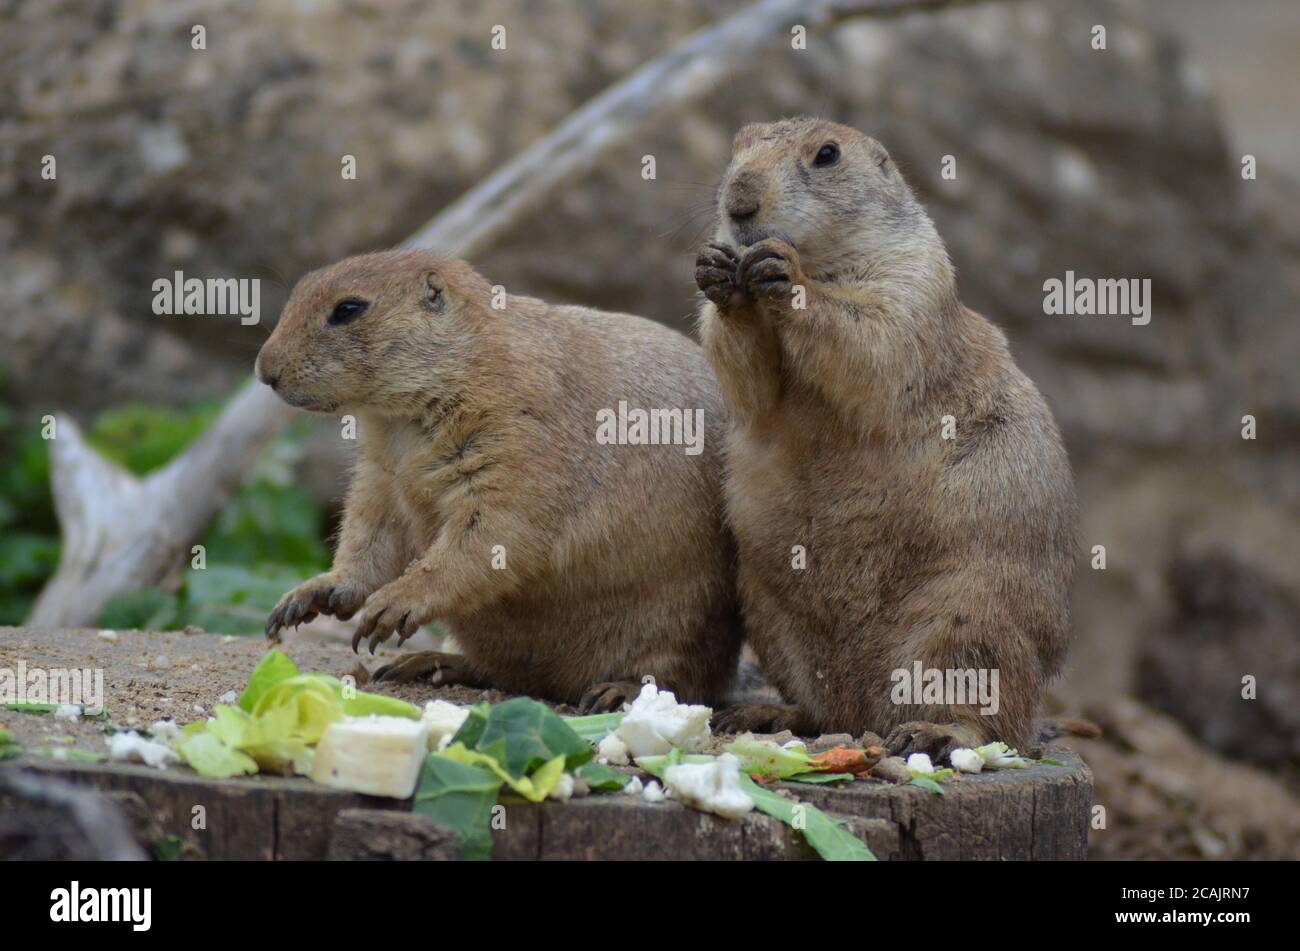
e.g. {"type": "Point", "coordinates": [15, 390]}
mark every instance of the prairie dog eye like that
{"type": "Point", "coordinates": [828, 154]}
{"type": "Point", "coordinates": [346, 311]}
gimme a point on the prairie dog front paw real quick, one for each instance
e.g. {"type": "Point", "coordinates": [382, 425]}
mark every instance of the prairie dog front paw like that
{"type": "Point", "coordinates": [325, 594]}
{"type": "Point", "coordinates": [769, 271]}
{"type": "Point", "coordinates": [715, 273]}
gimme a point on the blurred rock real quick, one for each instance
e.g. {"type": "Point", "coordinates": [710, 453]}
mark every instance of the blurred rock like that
{"type": "Point", "coordinates": [1166, 796]}
{"type": "Point", "coordinates": [226, 162]}
{"type": "Point", "coordinates": [1230, 621]}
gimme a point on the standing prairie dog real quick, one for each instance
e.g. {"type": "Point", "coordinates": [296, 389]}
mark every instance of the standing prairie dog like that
{"type": "Point", "coordinates": [898, 488]}
{"type": "Point", "coordinates": [565, 567]}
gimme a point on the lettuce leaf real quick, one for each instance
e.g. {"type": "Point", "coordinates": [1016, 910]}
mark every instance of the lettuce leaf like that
{"type": "Point", "coordinates": [764, 759]}
{"type": "Point", "coordinates": [280, 717]}
{"type": "Point", "coordinates": [534, 788]}
{"type": "Point", "coordinates": [460, 796]}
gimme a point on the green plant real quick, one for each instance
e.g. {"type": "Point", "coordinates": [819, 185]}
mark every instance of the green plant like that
{"type": "Point", "coordinates": [269, 537]}
{"type": "Point", "coordinates": [29, 537]}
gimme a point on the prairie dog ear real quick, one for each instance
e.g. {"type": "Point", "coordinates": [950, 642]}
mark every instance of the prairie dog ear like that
{"type": "Point", "coordinates": [879, 155]}
{"type": "Point", "coordinates": [435, 290]}
{"type": "Point", "coordinates": [746, 136]}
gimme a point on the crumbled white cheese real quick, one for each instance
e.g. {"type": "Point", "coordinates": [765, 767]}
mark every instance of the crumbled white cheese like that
{"type": "Point", "coordinates": [711, 787]}
{"type": "Point", "coordinates": [633, 787]}
{"type": "Point", "coordinates": [132, 747]}
{"type": "Point", "coordinates": [165, 730]}
{"type": "Point", "coordinates": [228, 697]}
{"type": "Point", "coordinates": [966, 761]}
{"type": "Point", "coordinates": [68, 711]}
{"type": "Point", "coordinates": [563, 790]}
{"type": "Point", "coordinates": [653, 792]}
{"type": "Point", "coordinates": [920, 763]}
{"type": "Point", "coordinates": [444, 720]}
{"type": "Point", "coordinates": [612, 750]}
{"type": "Point", "coordinates": [107, 635]}
{"type": "Point", "coordinates": [657, 723]}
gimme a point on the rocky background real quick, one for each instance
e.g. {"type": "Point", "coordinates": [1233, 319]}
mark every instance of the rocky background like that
{"type": "Point", "coordinates": [225, 162]}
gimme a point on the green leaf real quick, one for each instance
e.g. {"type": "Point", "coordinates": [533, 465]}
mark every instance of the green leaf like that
{"type": "Point", "coordinates": [1051, 762]}
{"type": "Point", "coordinates": [601, 778]}
{"type": "Point", "coordinates": [207, 755]}
{"type": "Point", "coordinates": [769, 760]}
{"type": "Point", "coordinates": [274, 667]}
{"type": "Point", "coordinates": [168, 848]}
{"type": "Point", "coordinates": [595, 727]}
{"type": "Point", "coordinates": [471, 731]}
{"type": "Point", "coordinates": [31, 707]}
{"type": "Point", "coordinates": [534, 788]}
{"type": "Point", "coordinates": [926, 783]}
{"type": "Point", "coordinates": [827, 836]}
{"type": "Point", "coordinates": [280, 717]}
{"type": "Point", "coordinates": [362, 704]}
{"type": "Point", "coordinates": [522, 734]}
{"type": "Point", "coordinates": [461, 797]}
{"type": "Point", "coordinates": [823, 778]}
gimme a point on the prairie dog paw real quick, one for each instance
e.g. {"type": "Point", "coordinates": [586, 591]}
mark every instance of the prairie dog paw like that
{"type": "Point", "coordinates": [442, 669]}
{"type": "Point", "coordinates": [391, 610]}
{"type": "Point", "coordinates": [715, 272]}
{"type": "Point", "coordinates": [769, 271]}
{"type": "Point", "coordinates": [608, 696]}
{"type": "Point", "coordinates": [324, 594]}
{"type": "Point", "coordinates": [759, 718]}
{"type": "Point", "coordinates": [936, 740]}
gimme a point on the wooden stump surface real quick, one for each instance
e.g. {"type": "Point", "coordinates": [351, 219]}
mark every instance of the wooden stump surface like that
{"type": "Point", "coordinates": [1040, 812]}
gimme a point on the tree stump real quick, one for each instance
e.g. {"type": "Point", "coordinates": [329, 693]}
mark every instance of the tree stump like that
{"type": "Point", "coordinates": [1040, 812]}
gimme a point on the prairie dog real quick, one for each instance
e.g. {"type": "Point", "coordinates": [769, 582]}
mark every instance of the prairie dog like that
{"type": "Point", "coordinates": [833, 322]}
{"type": "Point", "coordinates": [564, 566]}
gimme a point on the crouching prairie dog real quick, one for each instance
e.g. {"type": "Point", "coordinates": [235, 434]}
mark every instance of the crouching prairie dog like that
{"type": "Point", "coordinates": [898, 488]}
{"type": "Point", "coordinates": [565, 566]}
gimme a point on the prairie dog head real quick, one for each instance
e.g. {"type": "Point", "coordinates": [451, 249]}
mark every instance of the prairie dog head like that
{"type": "Point", "coordinates": [387, 331]}
{"type": "Point", "coordinates": [828, 190]}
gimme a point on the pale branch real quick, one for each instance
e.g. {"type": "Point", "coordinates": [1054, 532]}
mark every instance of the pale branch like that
{"type": "Point", "coordinates": [686, 73]}
{"type": "Point", "coordinates": [121, 533]}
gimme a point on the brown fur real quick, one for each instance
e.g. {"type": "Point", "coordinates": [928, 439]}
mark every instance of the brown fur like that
{"type": "Point", "coordinates": [957, 553]}
{"type": "Point", "coordinates": [477, 428]}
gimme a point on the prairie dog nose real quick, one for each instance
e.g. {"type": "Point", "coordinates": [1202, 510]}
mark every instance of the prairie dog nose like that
{"type": "Point", "coordinates": [743, 196]}
{"type": "Point", "coordinates": [270, 379]}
